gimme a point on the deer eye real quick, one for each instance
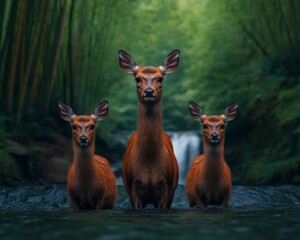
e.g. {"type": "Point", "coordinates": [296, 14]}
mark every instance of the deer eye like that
{"type": "Point", "coordinates": [74, 127]}
{"type": "Point", "coordinates": [205, 126]}
{"type": "Point", "coordinates": [160, 79]}
{"type": "Point", "coordinates": [138, 79]}
{"type": "Point", "coordinates": [92, 127]}
{"type": "Point", "coordinates": [222, 126]}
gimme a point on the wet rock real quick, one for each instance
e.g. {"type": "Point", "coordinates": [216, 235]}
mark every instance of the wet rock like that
{"type": "Point", "coordinates": [52, 163]}
{"type": "Point", "coordinates": [16, 148]}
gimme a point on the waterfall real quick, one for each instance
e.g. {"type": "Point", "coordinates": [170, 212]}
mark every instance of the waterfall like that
{"type": "Point", "coordinates": [186, 146]}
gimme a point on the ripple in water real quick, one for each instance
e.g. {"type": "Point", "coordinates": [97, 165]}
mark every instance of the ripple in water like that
{"type": "Point", "coordinates": [55, 197]}
{"type": "Point", "coordinates": [44, 212]}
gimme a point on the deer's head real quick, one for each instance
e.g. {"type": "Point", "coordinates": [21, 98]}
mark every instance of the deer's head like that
{"type": "Point", "coordinates": [149, 79]}
{"type": "Point", "coordinates": [213, 126]}
{"type": "Point", "coordinates": [83, 126]}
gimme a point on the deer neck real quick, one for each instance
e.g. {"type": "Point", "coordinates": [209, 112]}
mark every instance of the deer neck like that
{"type": "Point", "coordinates": [214, 157]}
{"type": "Point", "coordinates": [83, 161]}
{"type": "Point", "coordinates": [149, 130]}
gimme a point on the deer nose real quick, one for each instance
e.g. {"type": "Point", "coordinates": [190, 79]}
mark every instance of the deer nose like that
{"type": "Point", "coordinates": [214, 136]}
{"type": "Point", "coordinates": [83, 139]}
{"type": "Point", "coordinates": [149, 92]}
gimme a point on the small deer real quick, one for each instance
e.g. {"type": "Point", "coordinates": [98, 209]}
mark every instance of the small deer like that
{"type": "Point", "coordinates": [150, 169]}
{"type": "Point", "coordinates": [208, 181]}
{"type": "Point", "coordinates": [91, 182]}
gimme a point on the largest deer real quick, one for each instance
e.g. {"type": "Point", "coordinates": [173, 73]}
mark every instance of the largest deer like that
{"type": "Point", "coordinates": [149, 168]}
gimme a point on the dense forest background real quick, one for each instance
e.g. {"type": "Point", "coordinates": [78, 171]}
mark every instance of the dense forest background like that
{"type": "Point", "coordinates": [66, 50]}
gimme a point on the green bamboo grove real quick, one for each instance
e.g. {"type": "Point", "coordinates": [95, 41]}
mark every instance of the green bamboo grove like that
{"type": "Point", "coordinates": [245, 51]}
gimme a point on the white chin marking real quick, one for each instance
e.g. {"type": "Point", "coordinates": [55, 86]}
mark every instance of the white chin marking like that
{"type": "Point", "coordinates": [149, 99]}
{"type": "Point", "coordinates": [214, 141]}
{"type": "Point", "coordinates": [83, 144]}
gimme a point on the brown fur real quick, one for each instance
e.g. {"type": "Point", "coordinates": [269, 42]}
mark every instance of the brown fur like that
{"type": "Point", "coordinates": [209, 178]}
{"type": "Point", "coordinates": [150, 169]}
{"type": "Point", "coordinates": [150, 69]}
{"type": "Point", "coordinates": [208, 182]}
{"type": "Point", "coordinates": [91, 182]}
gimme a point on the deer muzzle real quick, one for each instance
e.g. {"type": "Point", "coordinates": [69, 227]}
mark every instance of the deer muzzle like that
{"type": "Point", "coordinates": [149, 95]}
{"type": "Point", "coordinates": [214, 137]}
{"type": "Point", "coordinates": [83, 140]}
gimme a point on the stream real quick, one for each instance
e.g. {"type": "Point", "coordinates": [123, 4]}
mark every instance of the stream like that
{"type": "Point", "coordinates": [44, 212]}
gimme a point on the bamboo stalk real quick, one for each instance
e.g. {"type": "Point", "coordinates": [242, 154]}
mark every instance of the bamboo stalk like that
{"type": "Point", "coordinates": [4, 46]}
{"type": "Point", "coordinates": [56, 54]}
{"type": "Point", "coordinates": [71, 55]}
{"type": "Point", "coordinates": [286, 27]}
{"type": "Point", "coordinates": [268, 22]}
{"type": "Point", "coordinates": [14, 60]}
{"type": "Point", "coordinates": [29, 62]}
{"type": "Point", "coordinates": [295, 9]}
{"type": "Point", "coordinates": [254, 39]}
{"type": "Point", "coordinates": [20, 74]}
{"type": "Point", "coordinates": [79, 53]}
{"type": "Point", "coordinates": [34, 85]}
{"type": "Point", "coordinates": [2, 14]}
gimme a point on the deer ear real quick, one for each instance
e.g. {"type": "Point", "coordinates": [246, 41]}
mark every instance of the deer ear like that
{"type": "Point", "coordinates": [196, 111]}
{"type": "Point", "coordinates": [66, 112]}
{"type": "Point", "coordinates": [231, 112]}
{"type": "Point", "coordinates": [101, 111]}
{"type": "Point", "coordinates": [127, 62]}
{"type": "Point", "coordinates": [171, 62]}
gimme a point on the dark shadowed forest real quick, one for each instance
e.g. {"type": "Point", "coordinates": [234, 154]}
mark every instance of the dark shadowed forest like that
{"type": "Point", "coordinates": [66, 50]}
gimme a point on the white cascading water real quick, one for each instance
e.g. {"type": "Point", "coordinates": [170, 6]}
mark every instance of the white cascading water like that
{"type": "Point", "coordinates": [186, 146]}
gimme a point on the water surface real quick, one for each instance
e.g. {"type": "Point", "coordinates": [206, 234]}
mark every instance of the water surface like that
{"type": "Point", "coordinates": [38, 212]}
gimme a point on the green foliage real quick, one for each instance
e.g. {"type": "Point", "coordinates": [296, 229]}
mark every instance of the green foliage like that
{"type": "Point", "coordinates": [9, 173]}
{"type": "Point", "coordinates": [246, 51]}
